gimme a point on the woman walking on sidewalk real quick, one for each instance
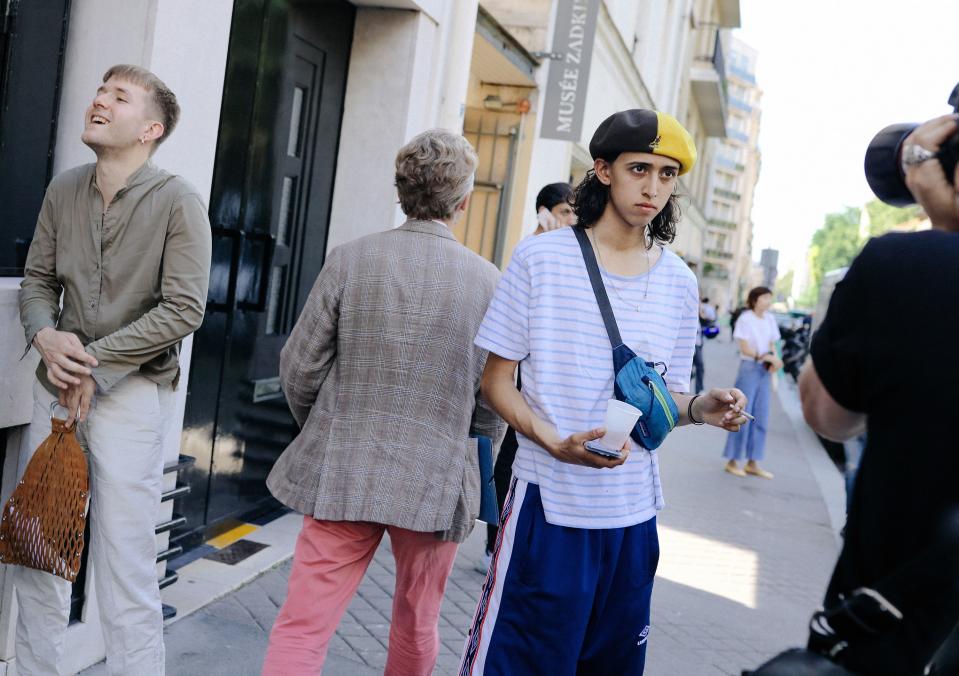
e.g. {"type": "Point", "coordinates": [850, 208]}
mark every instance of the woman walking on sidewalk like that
{"type": "Point", "coordinates": [756, 334]}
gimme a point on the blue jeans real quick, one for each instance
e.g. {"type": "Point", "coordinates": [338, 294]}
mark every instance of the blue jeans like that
{"type": "Point", "coordinates": [698, 368]}
{"type": "Point", "coordinates": [750, 441]}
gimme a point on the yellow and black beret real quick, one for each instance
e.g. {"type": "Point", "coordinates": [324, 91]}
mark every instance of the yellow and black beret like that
{"type": "Point", "coordinates": [644, 131]}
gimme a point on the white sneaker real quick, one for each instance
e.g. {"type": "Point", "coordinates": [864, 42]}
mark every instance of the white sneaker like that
{"type": "Point", "coordinates": [482, 566]}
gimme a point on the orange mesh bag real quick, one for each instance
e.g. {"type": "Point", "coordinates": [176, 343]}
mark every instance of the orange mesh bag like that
{"type": "Point", "coordinates": [43, 521]}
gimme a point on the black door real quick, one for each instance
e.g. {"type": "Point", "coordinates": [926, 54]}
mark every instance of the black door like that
{"type": "Point", "coordinates": [269, 208]}
{"type": "Point", "coordinates": [32, 44]}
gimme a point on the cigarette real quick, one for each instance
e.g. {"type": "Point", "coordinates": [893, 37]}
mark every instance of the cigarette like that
{"type": "Point", "coordinates": [748, 417]}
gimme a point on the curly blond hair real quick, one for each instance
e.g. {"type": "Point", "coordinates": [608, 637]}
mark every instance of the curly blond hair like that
{"type": "Point", "coordinates": [164, 100]}
{"type": "Point", "coordinates": [434, 174]}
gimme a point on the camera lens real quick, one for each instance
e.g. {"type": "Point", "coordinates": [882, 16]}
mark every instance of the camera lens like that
{"type": "Point", "coordinates": [949, 157]}
{"type": "Point", "coordinates": [883, 172]}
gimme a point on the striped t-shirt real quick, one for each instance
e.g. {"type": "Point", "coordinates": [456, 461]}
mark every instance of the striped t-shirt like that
{"type": "Point", "coordinates": [544, 315]}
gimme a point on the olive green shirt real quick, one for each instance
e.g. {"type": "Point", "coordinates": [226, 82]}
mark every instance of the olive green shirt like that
{"type": "Point", "coordinates": [133, 278]}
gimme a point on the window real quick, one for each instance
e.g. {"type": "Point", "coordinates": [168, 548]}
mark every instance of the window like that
{"type": "Point", "coordinates": [722, 211]}
{"type": "Point", "coordinates": [739, 61]}
{"type": "Point", "coordinates": [725, 180]}
{"type": "Point", "coordinates": [30, 67]}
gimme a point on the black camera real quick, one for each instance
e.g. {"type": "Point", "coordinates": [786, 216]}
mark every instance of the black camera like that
{"type": "Point", "coordinates": [884, 155]}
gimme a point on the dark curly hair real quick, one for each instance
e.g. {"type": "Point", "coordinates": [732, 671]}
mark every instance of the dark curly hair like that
{"type": "Point", "coordinates": [591, 196]}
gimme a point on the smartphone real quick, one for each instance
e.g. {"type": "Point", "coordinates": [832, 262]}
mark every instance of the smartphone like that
{"type": "Point", "coordinates": [595, 447]}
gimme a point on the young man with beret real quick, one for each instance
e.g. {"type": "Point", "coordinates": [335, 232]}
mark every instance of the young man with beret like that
{"type": "Point", "coordinates": [569, 586]}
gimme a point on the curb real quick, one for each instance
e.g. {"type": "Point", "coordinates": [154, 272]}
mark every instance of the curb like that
{"type": "Point", "coordinates": [830, 482]}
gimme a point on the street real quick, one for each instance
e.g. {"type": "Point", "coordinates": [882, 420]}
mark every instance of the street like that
{"type": "Point", "coordinates": [744, 562]}
{"type": "Point", "coordinates": [253, 252]}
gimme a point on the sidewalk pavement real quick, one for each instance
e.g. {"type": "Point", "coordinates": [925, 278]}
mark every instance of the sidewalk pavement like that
{"type": "Point", "coordinates": [744, 562]}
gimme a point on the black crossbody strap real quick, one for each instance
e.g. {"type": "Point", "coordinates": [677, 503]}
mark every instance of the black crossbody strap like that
{"type": "Point", "coordinates": [599, 290]}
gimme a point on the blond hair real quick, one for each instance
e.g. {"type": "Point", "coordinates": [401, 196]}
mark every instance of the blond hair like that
{"type": "Point", "coordinates": [434, 174]}
{"type": "Point", "coordinates": [164, 100]}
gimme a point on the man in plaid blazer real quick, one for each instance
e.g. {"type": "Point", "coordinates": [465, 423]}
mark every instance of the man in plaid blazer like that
{"type": "Point", "coordinates": [383, 378]}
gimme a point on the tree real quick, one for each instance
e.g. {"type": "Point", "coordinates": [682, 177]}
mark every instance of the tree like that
{"type": "Point", "coordinates": [809, 297]}
{"type": "Point", "coordinates": [784, 285]}
{"type": "Point", "coordinates": [833, 246]}
{"type": "Point", "coordinates": [882, 217]}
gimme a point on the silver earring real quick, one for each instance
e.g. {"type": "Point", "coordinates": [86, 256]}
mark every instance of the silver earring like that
{"type": "Point", "coordinates": [142, 141]}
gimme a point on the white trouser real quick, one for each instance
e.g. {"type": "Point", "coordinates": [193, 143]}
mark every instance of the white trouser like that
{"type": "Point", "coordinates": [123, 438]}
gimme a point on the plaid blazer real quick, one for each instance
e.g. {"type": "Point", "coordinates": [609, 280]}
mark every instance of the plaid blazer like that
{"type": "Point", "coordinates": [382, 376]}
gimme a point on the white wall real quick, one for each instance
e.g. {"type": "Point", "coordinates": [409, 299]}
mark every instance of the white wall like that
{"type": "Point", "coordinates": [651, 47]}
{"type": "Point", "coordinates": [102, 33]}
{"type": "Point", "coordinates": [399, 65]}
{"type": "Point", "coordinates": [190, 42]}
{"type": "Point", "coordinates": [376, 115]}
{"type": "Point", "coordinates": [183, 42]}
{"type": "Point", "coordinates": [435, 9]}
{"type": "Point", "coordinates": [675, 66]}
{"type": "Point", "coordinates": [455, 56]}
{"type": "Point", "coordinates": [624, 14]}
{"type": "Point", "coordinates": [614, 83]}
{"type": "Point", "coordinates": [550, 161]}
{"type": "Point", "coordinates": [16, 371]}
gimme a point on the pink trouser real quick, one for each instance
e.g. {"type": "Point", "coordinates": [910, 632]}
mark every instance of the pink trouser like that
{"type": "Point", "coordinates": [328, 564]}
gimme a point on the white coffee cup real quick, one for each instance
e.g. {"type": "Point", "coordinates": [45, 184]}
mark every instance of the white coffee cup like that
{"type": "Point", "coordinates": [620, 420]}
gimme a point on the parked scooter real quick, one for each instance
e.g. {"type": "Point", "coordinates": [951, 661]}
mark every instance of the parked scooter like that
{"type": "Point", "coordinates": [795, 346]}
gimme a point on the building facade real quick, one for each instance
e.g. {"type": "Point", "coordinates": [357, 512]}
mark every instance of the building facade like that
{"type": "Point", "coordinates": [293, 111]}
{"type": "Point", "coordinates": [728, 251]}
{"type": "Point", "coordinates": [664, 55]}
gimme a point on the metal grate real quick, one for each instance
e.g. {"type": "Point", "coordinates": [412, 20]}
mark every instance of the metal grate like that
{"type": "Point", "coordinates": [494, 135]}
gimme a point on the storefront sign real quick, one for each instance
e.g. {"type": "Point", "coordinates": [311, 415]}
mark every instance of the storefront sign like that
{"type": "Point", "coordinates": [569, 76]}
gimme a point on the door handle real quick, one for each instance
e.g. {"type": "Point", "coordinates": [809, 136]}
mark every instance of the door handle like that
{"type": "Point", "coordinates": [254, 276]}
{"type": "Point", "coordinates": [226, 253]}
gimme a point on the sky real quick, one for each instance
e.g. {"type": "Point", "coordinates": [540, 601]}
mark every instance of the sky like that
{"type": "Point", "coordinates": [833, 73]}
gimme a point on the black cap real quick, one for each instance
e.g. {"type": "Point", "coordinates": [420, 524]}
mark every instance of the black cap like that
{"type": "Point", "coordinates": [643, 131]}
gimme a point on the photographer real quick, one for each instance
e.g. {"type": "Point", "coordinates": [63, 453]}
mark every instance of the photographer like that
{"type": "Point", "coordinates": [897, 382]}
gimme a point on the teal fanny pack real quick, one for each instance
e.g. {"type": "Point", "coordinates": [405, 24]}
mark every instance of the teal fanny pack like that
{"type": "Point", "coordinates": [637, 382]}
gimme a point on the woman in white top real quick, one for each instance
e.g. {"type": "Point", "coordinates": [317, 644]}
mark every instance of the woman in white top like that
{"type": "Point", "coordinates": [756, 333]}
